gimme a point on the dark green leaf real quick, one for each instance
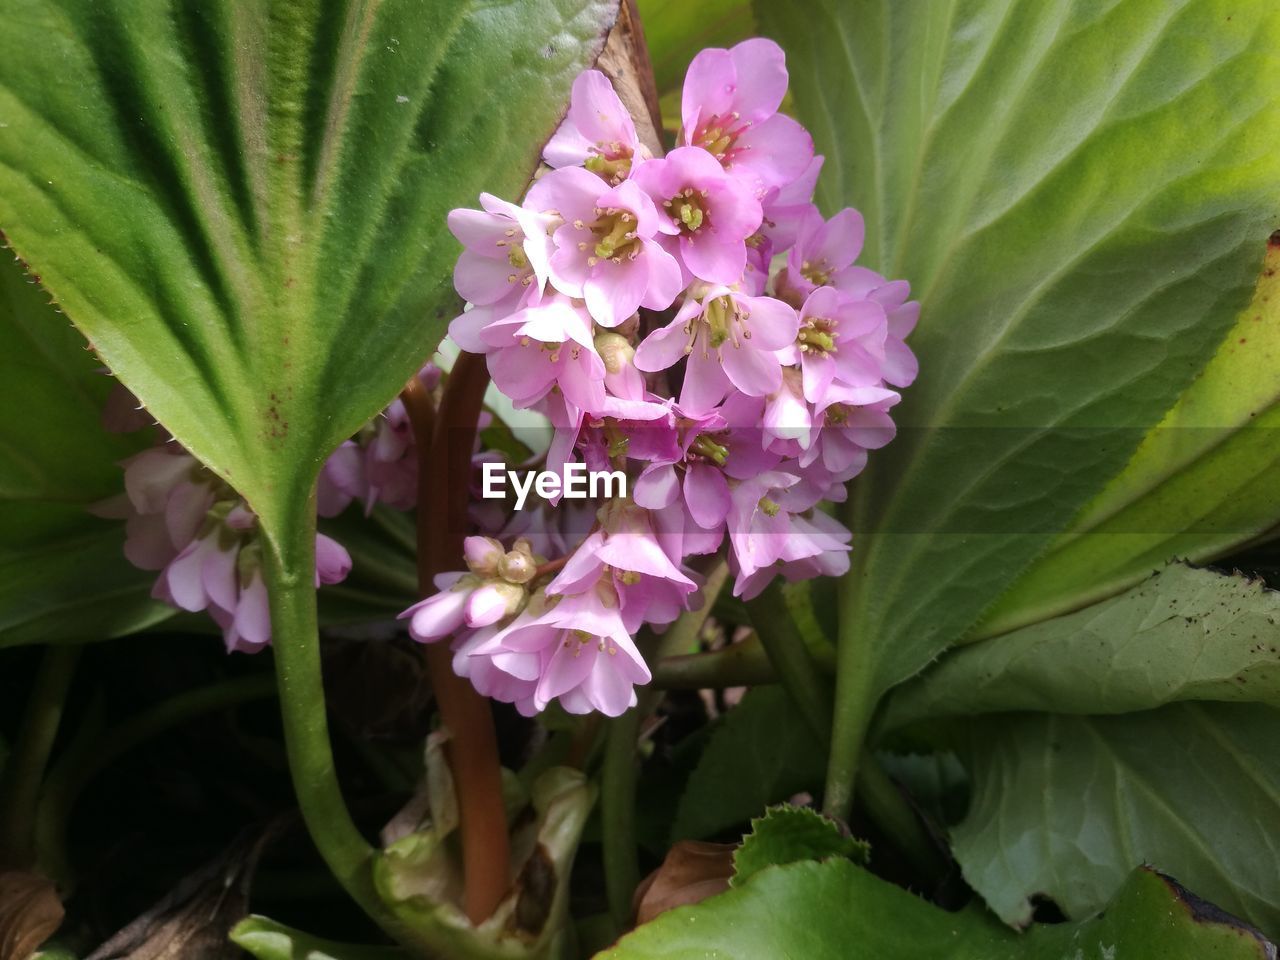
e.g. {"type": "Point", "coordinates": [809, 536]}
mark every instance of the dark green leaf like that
{"type": "Point", "coordinates": [1185, 634]}
{"type": "Point", "coordinates": [838, 911]}
{"type": "Point", "coordinates": [63, 575]}
{"type": "Point", "coordinates": [1065, 806]}
{"type": "Point", "coordinates": [786, 834]}
{"type": "Point", "coordinates": [242, 205]}
{"type": "Point", "coordinates": [761, 753]}
{"type": "Point", "coordinates": [1080, 195]}
{"type": "Point", "coordinates": [1201, 483]}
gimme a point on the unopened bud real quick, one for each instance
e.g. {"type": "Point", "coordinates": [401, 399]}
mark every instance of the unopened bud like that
{"type": "Point", "coordinates": [482, 554]}
{"type": "Point", "coordinates": [614, 350]}
{"type": "Point", "coordinates": [517, 566]}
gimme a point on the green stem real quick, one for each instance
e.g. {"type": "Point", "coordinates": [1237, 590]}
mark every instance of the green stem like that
{"type": "Point", "coordinates": [77, 767]}
{"type": "Point", "coordinates": [855, 702]}
{"type": "Point", "coordinates": [791, 659]}
{"type": "Point", "coordinates": [804, 681]}
{"type": "Point", "coordinates": [621, 769]}
{"type": "Point", "coordinates": [890, 810]}
{"type": "Point", "coordinates": [24, 771]}
{"type": "Point", "coordinates": [618, 813]}
{"type": "Point", "coordinates": [289, 563]}
{"type": "Point", "coordinates": [741, 664]}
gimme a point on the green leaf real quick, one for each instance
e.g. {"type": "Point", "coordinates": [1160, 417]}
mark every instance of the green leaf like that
{"type": "Point", "coordinates": [1201, 483]}
{"type": "Point", "coordinates": [62, 572]}
{"type": "Point", "coordinates": [242, 205]}
{"type": "Point", "coordinates": [761, 753]}
{"type": "Point", "coordinates": [1185, 634]}
{"type": "Point", "coordinates": [1080, 194]}
{"type": "Point", "coordinates": [786, 834]}
{"type": "Point", "coordinates": [1065, 806]}
{"type": "Point", "coordinates": [838, 911]}
{"type": "Point", "coordinates": [267, 940]}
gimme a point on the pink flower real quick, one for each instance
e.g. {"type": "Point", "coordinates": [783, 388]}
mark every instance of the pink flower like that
{"type": "Point", "coordinates": [490, 590]}
{"type": "Point", "coordinates": [597, 133]}
{"type": "Point", "coordinates": [729, 108]}
{"type": "Point", "coordinates": [850, 421]}
{"type": "Point", "coordinates": [605, 249]}
{"type": "Point", "coordinates": [786, 208]}
{"type": "Point", "coordinates": [730, 339]}
{"type": "Point", "coordinates": [816, 545]}
{"type": "Point", "coordinates": [576, 648]}
{"type": "Point", "coordinates": [650, 585]}
{"type": "Point", "coordinates": [900, 366]}
{"type": "Point", "coordinates": [710, 213]}
{"type": "Point", "coordinates": [506, 249]}
{"type": "Point", "coordinates": [841, 340]}
{"type": "Point", "coordinates": [547, 344]}
{"type": "Point", "coordinates": [822, 249]}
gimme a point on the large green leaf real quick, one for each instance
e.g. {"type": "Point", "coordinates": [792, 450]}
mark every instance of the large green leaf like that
{"type": "Point", "coordinates": [838, 911]}
{"type": "Point", "coordinates": [1065, 806]}
{"type": "Point", "coordinates": [242, 204]}
{"type": "Point", "coordinates": [1080, 194]}
{"type": "Point", "coordinates": [762, 752]}
{"type": "Point", "coordinates": [1185, 634]}
{"type": "Point", "coordinates": [1201, 483]}
{"type": "Point", "coordinates": [62, 571]}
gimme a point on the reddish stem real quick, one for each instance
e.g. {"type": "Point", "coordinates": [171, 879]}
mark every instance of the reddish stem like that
{"type": "Point", "coordinates": [445, 439]}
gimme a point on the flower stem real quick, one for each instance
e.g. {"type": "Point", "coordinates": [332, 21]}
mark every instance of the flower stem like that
{"type": "Point", "coordinates": [803, 680]}
{"type": "Point", "coordinates": [790, 658]}
{"type": "Point", "coordinates": [618, 810]}
{"type": "Point", "coordinates": [890, 810]}
{"type": "Point", "coordinates": [855, 703]}
{"type": "Point", "coordinates": [741, 664]}
{"type": "Point", "coordinates": [24, 771]}
{"type": "Point", "coordinates": [444, 441]}
{"type": "Point", "coordinates": [289, 563]}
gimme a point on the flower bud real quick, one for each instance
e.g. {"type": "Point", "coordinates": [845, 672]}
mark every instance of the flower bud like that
{"type": "Point", "coordinates": [482, 555]}
{"type": "Point", "coordinates": [517, 566]}
{"type": "Point", "coordinates": [614, 350]}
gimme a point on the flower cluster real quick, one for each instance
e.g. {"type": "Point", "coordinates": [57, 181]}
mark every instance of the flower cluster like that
{"type": "Point", "coordinates": [184, 521]}
{"type": "Point", "coordinates": [690, 321]}
{"type": "Point", "coordinates": [633, 301]}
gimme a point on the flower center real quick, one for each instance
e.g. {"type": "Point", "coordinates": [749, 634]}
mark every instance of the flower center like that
{"type": "Point", "coordinates": [704, 446]}
{"type": "Point", "coordinates": [610, 161]}
{"type": "Point", "coordinates": [688, 211]}
{"type": "Point", "coordinates": [837, 415]}
{"type": "Point", "coordinates": [769, 507]}
{"type": "Point", "coordinates": [719, 135]}
{"type": "Point", "coordinates": [818, 336]}
{"type": "Point", "coordinates": [615, 236]}
{"type": "Point", "coordinates": [819, 274]}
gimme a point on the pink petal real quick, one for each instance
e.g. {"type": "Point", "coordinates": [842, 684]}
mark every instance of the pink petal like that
{"type": "Point", "coordinates": [666, 279]}
{"type": "Point", "coordinates": [773, 324]}
{"type": "Point", "coordinates": [657, 487]}
{"type": "Point", "coordinates": [713, 260]}
{"type": "Point", "coordinates": [761, 71]}
{"type": "Point", "coordinates": [613, 291]}
{"type": "Point", "coordinates": [253, 614]}
{"type": "Point", "coordinates": [709, 87]}
{"type": "Point", "coordinates": [333, 563]}
{"type": "Point", "coordinates": [755, 372]}
{"type": "Point", "coordinates": [705, 383]}
{"type": "Point", "coordinates": [706, 493]}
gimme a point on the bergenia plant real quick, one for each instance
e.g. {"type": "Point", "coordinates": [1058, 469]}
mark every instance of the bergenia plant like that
{"type": "Point", "coordinates": [595, 478]}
